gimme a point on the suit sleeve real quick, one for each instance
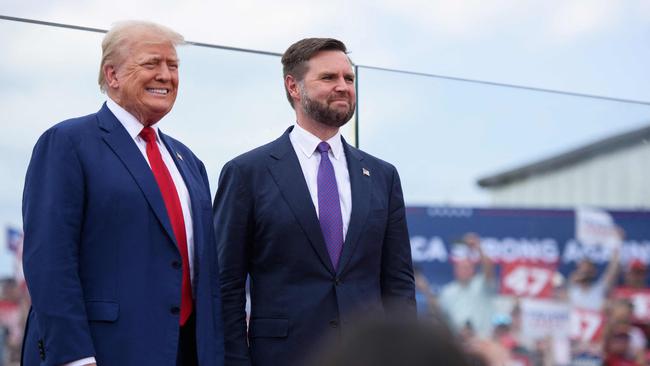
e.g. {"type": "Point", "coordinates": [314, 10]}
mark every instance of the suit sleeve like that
{"type": "Point", "coordinates": [397, 282]}
{"type": "Point", "coordinates": [214, 278]}
{"type": "Point", "coordinates": [53, 209]}
{"type": "Point", "coordinates": [232, 224]}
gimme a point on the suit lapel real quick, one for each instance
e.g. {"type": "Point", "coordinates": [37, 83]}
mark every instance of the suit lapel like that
{"type": "Point", "coordinates": [360, 185]}
{"type": "Point", "coordinates": [191, 189]}
{"type": "Point", "coordinates": [287, 174]}
{"type": "Point", "coordinates": [118, 139]}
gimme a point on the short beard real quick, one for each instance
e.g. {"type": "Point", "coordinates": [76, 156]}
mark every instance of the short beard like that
{"type": "Point", "coordinates": [321, 112]}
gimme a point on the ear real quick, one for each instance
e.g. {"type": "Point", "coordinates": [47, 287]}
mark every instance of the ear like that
{"type": "Point", "coordinates": [110, 74]}
{"type": "Point", "coordinates": [292, 87]}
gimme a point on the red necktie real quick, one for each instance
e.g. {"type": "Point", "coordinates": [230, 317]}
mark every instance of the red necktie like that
{"type": "Point", "coordinates": [175, 213]}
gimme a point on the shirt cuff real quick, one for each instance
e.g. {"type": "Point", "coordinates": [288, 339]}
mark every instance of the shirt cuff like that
{"type": "Point", "coordinates": [82, 362]}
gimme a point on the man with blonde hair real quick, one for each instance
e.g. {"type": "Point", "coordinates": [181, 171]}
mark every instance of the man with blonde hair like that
{"type": "Point", "coordinates": [119, 252]}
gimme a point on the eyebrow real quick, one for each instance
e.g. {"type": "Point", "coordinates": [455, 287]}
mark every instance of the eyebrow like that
{"type": "Point", "coordinates": [332, 73]}
{"type": "Point", "coordinates": [158, 58]}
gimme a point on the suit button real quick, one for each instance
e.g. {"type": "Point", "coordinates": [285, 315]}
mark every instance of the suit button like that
{"type": "Point", "coordinates": [334, 323]}
{"type": "Point", "coordinates": [175, 310]}
{"type": "Point", "coordinates": [337, 281]}
{"type": "Point", "coordinates": [176, 265]}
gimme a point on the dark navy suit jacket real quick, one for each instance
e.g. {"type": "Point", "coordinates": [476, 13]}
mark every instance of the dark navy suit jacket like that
{"type": "Point", "coordinates": [267, 228]}
{"type": "Point", "coordinates": [100, 256]}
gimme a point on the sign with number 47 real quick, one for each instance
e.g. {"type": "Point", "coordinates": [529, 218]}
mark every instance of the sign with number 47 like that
{"type": "Point", "coordinates": [527, 280]}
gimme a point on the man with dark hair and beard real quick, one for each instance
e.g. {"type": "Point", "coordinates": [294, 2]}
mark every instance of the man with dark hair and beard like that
{"type": "Point", "coordinates": [317, 225]}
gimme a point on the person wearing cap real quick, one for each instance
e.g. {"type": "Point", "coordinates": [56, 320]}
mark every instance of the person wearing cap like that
{"type": "Point", "coordinates": [635, 276]}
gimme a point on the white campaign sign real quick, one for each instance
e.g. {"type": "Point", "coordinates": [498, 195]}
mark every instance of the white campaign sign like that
{"type": "Point", "coordinates": [541, 318]}
{"type": "Point", "coordinates": [596, 227]}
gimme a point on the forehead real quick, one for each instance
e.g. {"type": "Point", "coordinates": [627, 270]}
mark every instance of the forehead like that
{"type": "Point", "coordinates": [142, 43]}
{"type": "Point", "coordinates": [329, 61]}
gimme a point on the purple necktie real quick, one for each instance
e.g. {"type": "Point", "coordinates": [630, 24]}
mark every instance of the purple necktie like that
{"type": "Point", "coordinates": [329, 206]}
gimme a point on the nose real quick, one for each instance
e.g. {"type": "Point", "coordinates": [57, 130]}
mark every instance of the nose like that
{"type": "Point", "coordinates": [342, 85]}
{"type": "Point", "coordinates": [164, 73]}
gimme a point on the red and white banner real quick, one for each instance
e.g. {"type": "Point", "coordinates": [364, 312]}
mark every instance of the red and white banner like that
{"type": "Point", "coordinates": [640, 298]}
{"type": "Point", "coordinates": [527, 280]}
{"type": "Point", "coordinates": [586, 325]}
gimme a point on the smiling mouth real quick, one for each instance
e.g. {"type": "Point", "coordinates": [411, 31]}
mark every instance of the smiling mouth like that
{"type": "Point", "coordinates": [158, 91]}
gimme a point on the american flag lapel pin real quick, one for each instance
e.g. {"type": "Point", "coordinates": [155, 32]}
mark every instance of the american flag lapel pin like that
{"type": "Point", "coordinates": [365, 172]}
{"type": "Point", "coordinates": [179, 156]}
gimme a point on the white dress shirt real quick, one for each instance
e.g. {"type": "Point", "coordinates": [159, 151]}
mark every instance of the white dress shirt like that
{"type": "Point", "coordinates": [305, 143]}
{"type": "Point", "coordinates": [133, 127]}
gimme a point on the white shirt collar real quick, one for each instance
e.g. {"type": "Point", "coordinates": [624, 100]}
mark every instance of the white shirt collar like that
{"type": "Point", "coordinates": [130, 123]}
{"type": "Point", "coordinates": [307, 142]}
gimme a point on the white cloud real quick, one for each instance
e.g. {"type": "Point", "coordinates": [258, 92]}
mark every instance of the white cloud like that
{"type": "Point", "coordinates": [576, 18]}
{"type": "Point", "coordinates": [39, 49]}
{"type": "Point", "coordinates": [461, 19]}
{"type": "Point", "coordinates": [252, 24]}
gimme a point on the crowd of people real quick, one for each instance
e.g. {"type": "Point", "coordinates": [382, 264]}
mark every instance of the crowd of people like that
{"type": "Point", "coordinates": [129, 261]}
{"type": "Point", "coordinates": [14, 306]}
{"type": "Point", "coordinates": [604, 324]}
{"type": "Point", "coordinates": [471, 314]}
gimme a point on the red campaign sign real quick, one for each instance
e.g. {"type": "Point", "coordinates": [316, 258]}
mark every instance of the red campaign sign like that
{"type": "Point", "coordinates": [8, 311]}
{"type": "Point", "coordinates": [586, 325]}
{"type": "Point", "coordinates": [640, 298]}
{"type": "Point", "coordinates": [527, 280]}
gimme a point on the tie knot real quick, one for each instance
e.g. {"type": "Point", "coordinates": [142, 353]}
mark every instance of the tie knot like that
{"type": "Point", "coordinates": [148, 134]}
{"type": "Point", "coordinates": [323, 147]}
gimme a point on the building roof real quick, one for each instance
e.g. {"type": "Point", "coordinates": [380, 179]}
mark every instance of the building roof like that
{"type": "Point", "coordinates": [575, 156]}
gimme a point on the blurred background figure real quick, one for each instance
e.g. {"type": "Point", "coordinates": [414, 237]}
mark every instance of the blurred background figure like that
{"type": "Point", "coordinates": [14, 303]}
{"type": "Point", "coordinates": [381, 343]}
{"type": "Point", "coordinates": [495, 350]}
{"type": "Point", "coordinates": [620, 319]}
{"type": "Point", "coordinates": [427, 303]}
{"type": "Point", "coordinates": [467, 300]}
{"type": "Point", "coordinates": [588, 291]}
{"type": "Point", "coordinates": [635, 275]}
{"type": "Point", "coordinates": [618, 350]}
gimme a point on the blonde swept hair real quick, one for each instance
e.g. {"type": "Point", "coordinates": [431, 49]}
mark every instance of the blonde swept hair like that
{"type": "Point", "coordinates": [117, 41]}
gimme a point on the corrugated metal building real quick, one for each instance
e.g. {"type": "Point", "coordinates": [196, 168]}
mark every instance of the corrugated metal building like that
{"type": "Point", "coordinates": [611, 173]}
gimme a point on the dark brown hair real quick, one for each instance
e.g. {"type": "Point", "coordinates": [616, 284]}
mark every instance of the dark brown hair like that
{"type": "Point", "coordinates": [294, 59]}
{"type": "Point", "coordinates": [393, 343]}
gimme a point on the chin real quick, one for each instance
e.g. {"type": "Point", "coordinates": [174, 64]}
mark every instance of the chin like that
{"type": "Point", "coordinates": [160, 109]}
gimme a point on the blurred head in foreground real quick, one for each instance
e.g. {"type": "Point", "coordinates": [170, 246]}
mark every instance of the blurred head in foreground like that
{"type": "Point", "coordinates": [381, 343]}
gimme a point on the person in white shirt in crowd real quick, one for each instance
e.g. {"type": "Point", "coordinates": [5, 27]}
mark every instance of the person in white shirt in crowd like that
{"type": "Point", "coordinates": [467, 300]}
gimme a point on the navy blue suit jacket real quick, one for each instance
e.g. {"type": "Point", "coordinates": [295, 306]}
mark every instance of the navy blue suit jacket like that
{"type": "Point", "coordinates": [100, 256]}
{"type": "Point", "coordinates": [267, 228]}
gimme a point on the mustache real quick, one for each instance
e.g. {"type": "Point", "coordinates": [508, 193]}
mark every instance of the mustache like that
{"type": "Point", "coordinates": [340, 96]}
